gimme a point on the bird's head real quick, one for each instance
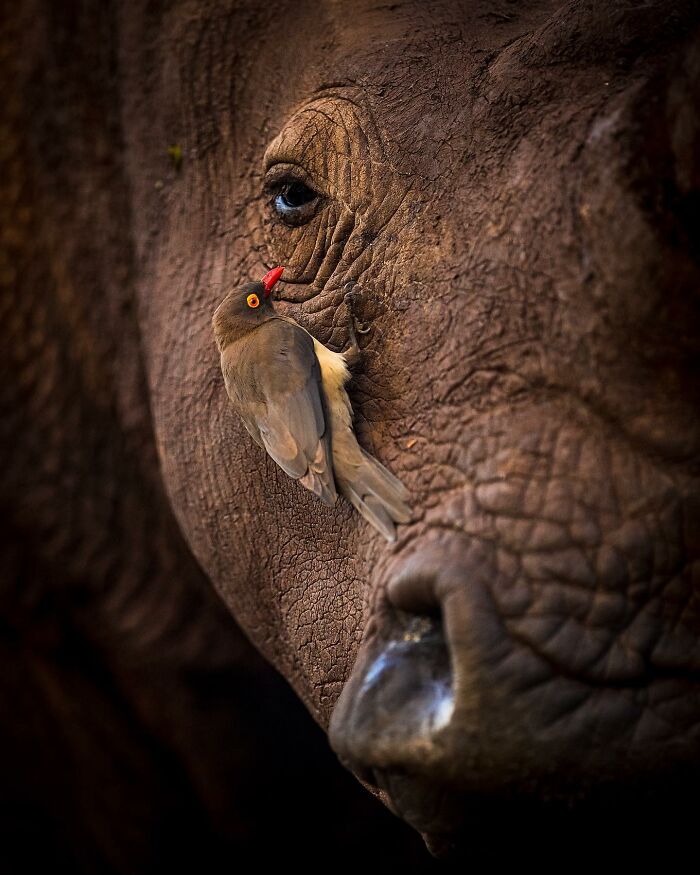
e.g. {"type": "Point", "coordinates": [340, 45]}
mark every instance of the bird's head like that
{"type": "Point", "coordinates": [244, 308]}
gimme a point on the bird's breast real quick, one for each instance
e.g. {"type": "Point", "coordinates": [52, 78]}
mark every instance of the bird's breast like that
{"type": "Point", "coordinates": [334, 370]}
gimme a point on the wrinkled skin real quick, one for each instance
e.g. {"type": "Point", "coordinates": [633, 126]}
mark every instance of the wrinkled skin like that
{"type": "Point", "coordinates": [511, 191]}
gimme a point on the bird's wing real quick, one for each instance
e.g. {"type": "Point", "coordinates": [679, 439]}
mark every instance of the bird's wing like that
{"type": "Point", "coordinates": [286, 408]}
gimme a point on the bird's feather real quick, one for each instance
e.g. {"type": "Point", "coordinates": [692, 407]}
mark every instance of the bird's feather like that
{"type": "Point", "coordinates": [289, 390]}
{"type": "Point", "coordinates": [370, 488]}
{"type": "Point", "coordinates": [282, 404]}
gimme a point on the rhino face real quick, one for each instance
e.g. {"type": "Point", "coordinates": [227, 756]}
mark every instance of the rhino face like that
{"type": "Point", "coordinates": [511, 197]}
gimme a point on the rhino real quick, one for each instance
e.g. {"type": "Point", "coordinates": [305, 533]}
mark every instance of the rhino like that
{"type": "Point", "coordinates": [504, 198]}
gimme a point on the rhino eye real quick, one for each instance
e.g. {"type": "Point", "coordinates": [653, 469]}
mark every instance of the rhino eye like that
{"type": "Point", "coordinates": [294, 202]}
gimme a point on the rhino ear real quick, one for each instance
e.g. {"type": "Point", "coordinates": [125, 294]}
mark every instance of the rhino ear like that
{"type": "Point", "coordinates": [271, 278]}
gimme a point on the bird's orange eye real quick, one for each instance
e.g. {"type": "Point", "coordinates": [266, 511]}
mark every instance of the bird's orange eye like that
{"type": "Point", "coordinates": [253, 301]}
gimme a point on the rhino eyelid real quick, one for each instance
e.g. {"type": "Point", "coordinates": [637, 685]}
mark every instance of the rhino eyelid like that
{"type": "Point", "coordinates": [277, 169]}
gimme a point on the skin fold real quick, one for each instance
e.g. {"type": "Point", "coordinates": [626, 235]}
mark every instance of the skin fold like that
{"type": "Point", "coordinates": [510, 193]}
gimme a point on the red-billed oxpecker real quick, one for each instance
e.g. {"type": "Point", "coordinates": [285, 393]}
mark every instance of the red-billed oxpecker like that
{"type": "Point", "coordinates": [289, 390]}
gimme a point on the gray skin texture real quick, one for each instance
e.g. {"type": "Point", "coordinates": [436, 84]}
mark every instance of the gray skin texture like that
{"type": "Point", "coordinates": [509, 190]}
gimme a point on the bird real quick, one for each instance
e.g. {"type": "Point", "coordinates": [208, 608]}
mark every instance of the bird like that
{"type": "Point", "coordinates": [290, 392]}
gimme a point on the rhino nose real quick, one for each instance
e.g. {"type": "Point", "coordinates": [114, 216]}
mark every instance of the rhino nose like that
{"type": "Point", "coordinates": [396, 723]}
{"type": "Point", "coordinates": [400, 699]}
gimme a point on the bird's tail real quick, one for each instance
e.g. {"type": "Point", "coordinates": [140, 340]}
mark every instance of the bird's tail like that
{"type": "Point", "coordinates": [377, 495]}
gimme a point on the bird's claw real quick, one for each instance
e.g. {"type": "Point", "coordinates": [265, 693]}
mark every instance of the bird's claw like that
{"type": "Point", "coordinates": [353, 353]}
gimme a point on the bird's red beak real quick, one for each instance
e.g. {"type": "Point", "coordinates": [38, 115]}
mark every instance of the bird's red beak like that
{"type": "Point", "coordinates": [271, 278]}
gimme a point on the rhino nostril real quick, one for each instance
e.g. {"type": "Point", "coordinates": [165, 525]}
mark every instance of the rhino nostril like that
{"type": "Point", "coordinates": [399, 699]}
{"type": "Point", "coordinates": [397, 711]}
{"type": "Point", "coordinates": [410, 678]}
